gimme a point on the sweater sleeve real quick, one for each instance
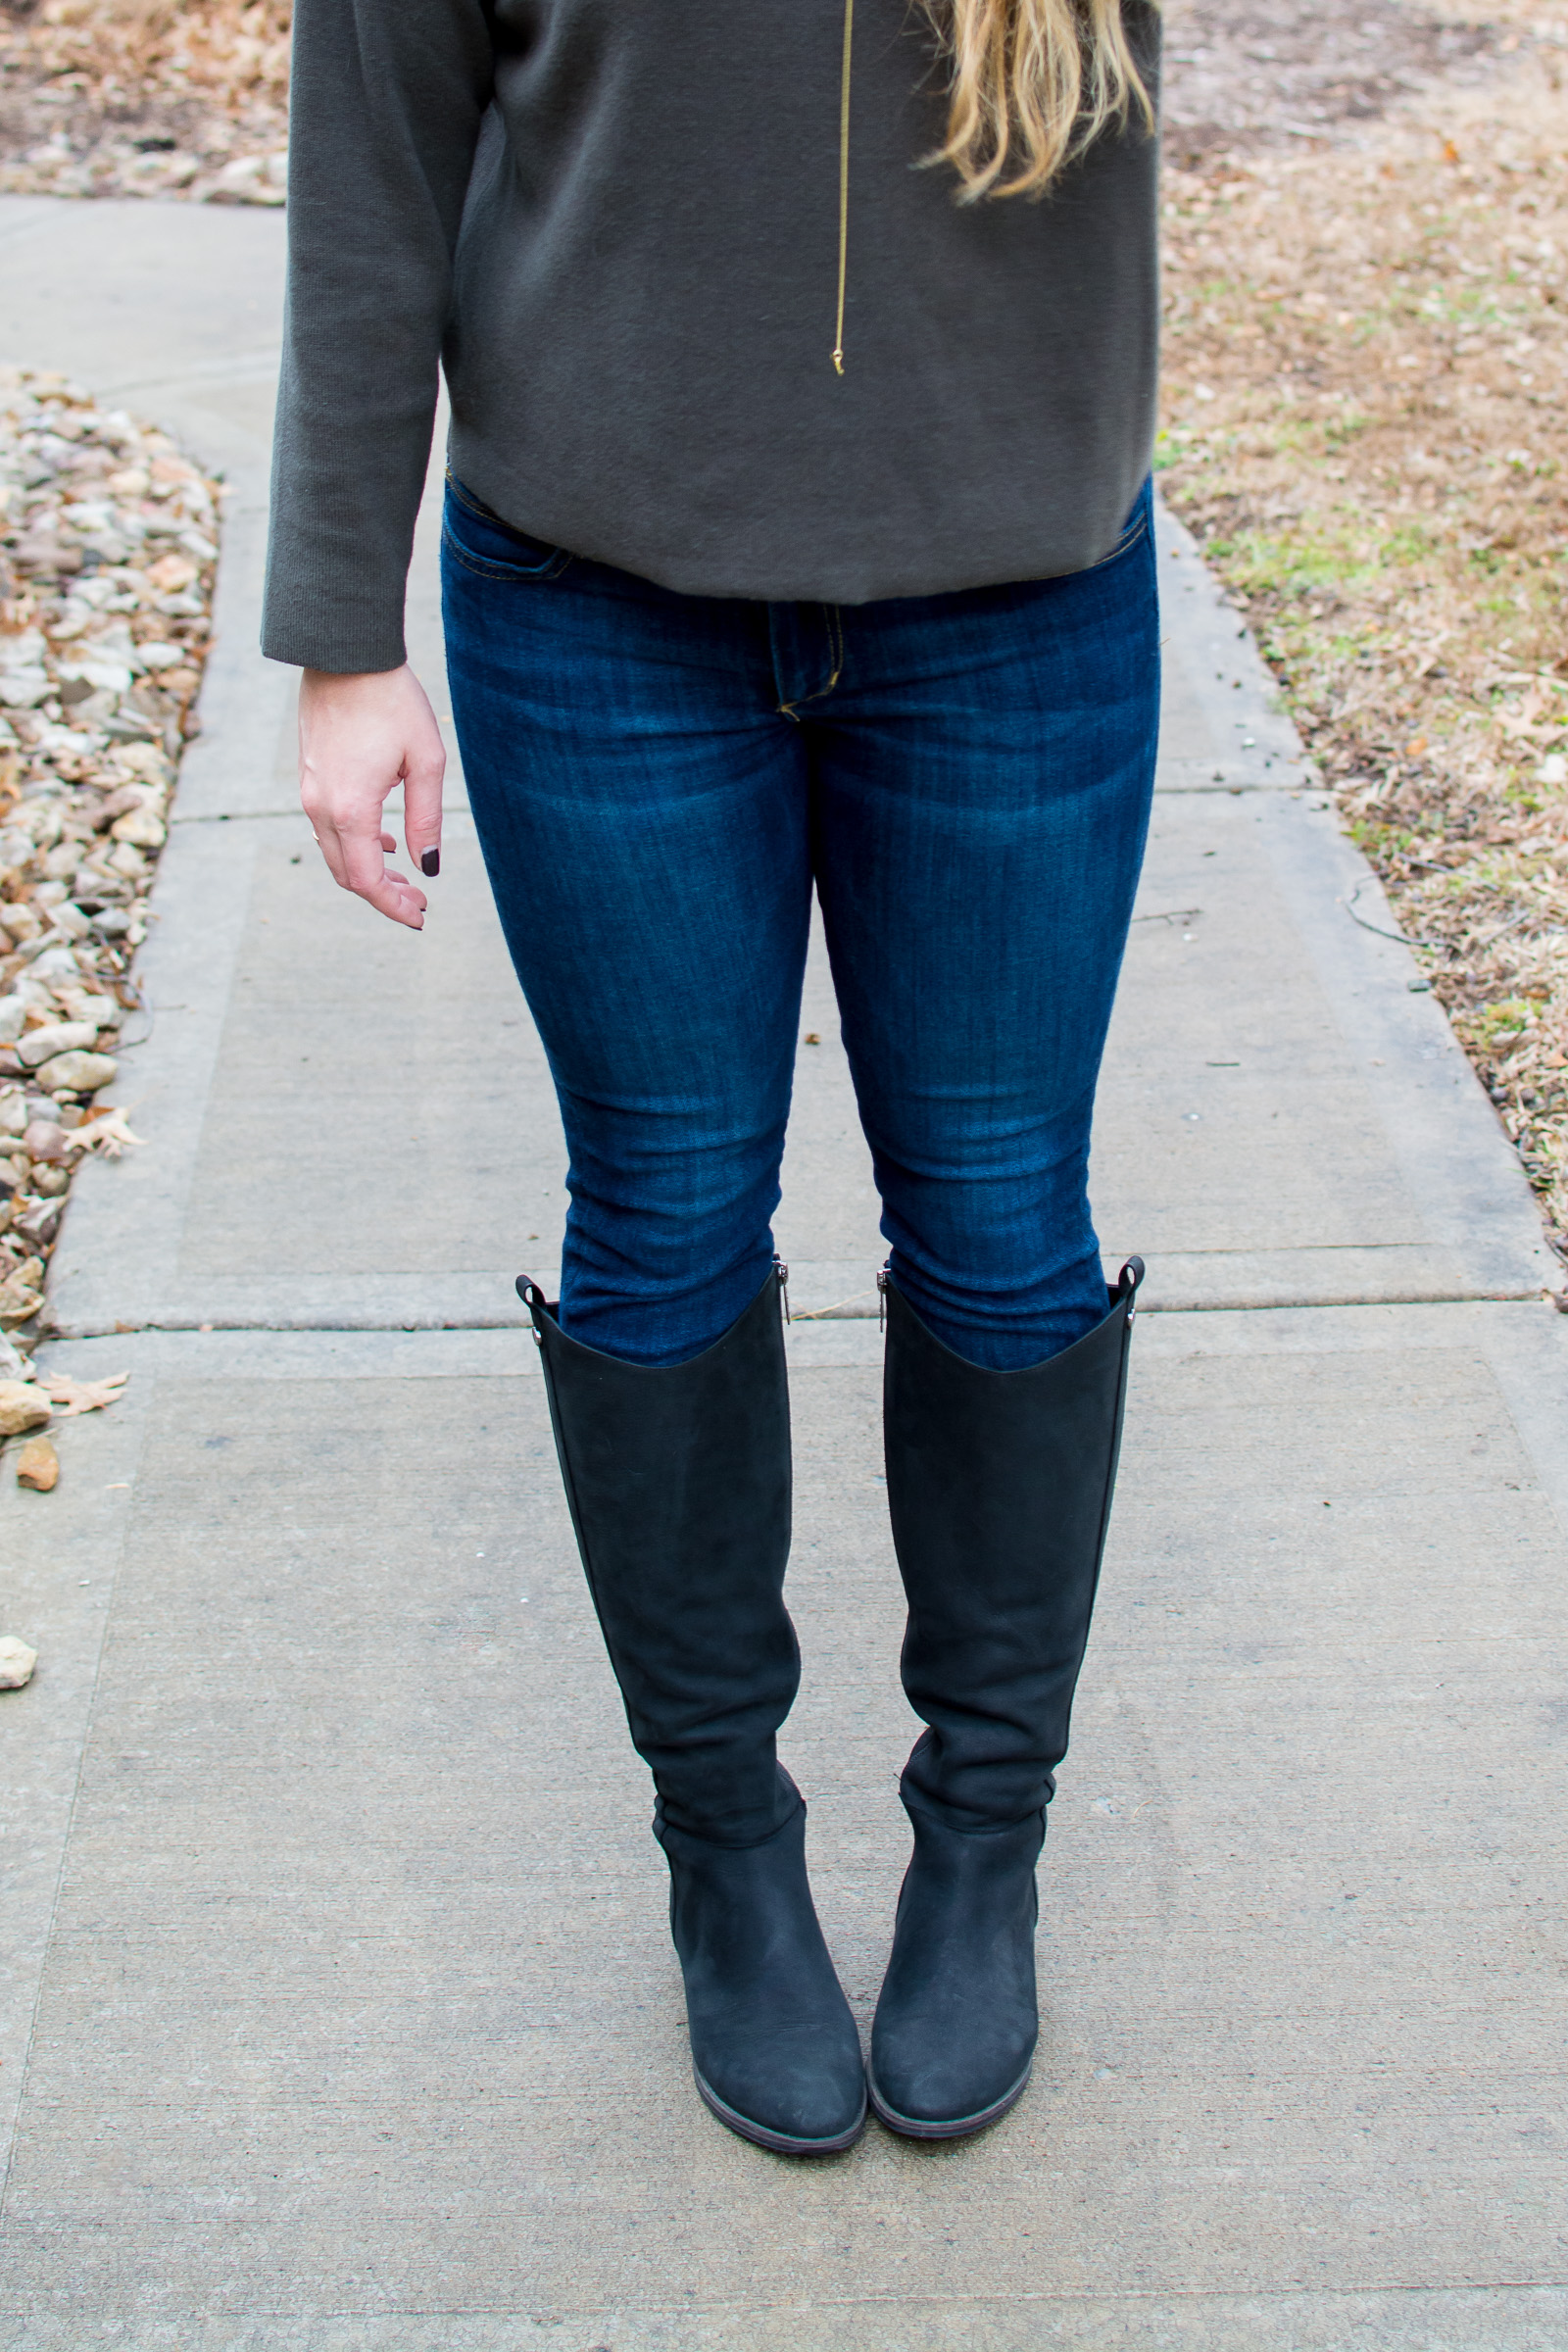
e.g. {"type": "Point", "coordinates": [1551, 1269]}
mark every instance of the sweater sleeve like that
{"type": "Point", "coordinates": [386, 105]}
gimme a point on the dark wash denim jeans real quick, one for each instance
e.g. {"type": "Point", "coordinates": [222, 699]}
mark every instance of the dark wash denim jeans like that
{"type": "Point", "coordinates": [659, 779]}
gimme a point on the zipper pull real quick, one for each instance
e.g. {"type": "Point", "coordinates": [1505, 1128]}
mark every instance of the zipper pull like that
{"type": "Point", "coordinates": [882, 1286]}
{"type": "Point", "coordinates": [781, 1275]}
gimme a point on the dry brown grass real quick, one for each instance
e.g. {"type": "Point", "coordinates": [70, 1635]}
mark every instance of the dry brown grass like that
{"type": "Point", "coordinates": [1366, 361]}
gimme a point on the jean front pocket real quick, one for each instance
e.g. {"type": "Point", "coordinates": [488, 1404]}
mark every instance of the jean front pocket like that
{"type": "Point", "coordinates": [474, 536]}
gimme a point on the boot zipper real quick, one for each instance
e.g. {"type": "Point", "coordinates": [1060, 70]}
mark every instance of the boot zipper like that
{"type": "Point", "coordinates": [781, 1275]}
{"type": "Point", "coordinates": [883, 1284]}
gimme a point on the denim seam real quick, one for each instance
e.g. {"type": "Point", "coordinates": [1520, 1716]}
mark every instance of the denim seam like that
{"type": "Point", "coordinates": [835, 629]}
{"type": "Point", "coordinates": [834, 619]}
{"type": "Point", "coordinates": [463, 498]}
{"type": "Point", "coordinates": [1124, 544]}
{"type": "Point", "coordinates": [520, 574]}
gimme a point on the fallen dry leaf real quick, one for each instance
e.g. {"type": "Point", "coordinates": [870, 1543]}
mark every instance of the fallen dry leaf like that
{"type": "Point", "coordinates": [73, 1396]}
{"type": "Point", "coordinates": [107, 1131]}
{"type": "Point", "coordinates": [38, 1465]}
{"type": "Point", "coordinates": [170, 574]}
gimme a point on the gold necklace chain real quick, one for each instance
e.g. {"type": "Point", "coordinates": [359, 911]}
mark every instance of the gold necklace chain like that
{"type": "Point", "coordinates": [843, 182]}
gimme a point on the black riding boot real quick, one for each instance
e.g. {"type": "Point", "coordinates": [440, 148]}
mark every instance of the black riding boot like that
{"type": "Point", "coordinates": [678, 1480]}
{"type": "Point", "coordinates": [999, 1488]}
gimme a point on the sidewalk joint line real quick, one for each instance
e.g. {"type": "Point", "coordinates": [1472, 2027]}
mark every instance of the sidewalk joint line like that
{"type": "Point", "coordinates": [362, 1331]}
{"type": "Point", "coordinates": [246, 816]}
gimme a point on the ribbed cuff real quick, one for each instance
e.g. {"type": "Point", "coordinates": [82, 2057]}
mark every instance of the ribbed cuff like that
{"type": "Point", "coordinates": [316, 629]}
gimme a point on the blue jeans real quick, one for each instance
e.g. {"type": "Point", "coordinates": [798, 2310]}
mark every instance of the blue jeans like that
{"type": "Point", "coordinates": [658, 780]}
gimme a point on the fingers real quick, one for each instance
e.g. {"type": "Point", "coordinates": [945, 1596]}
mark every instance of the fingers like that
{"type": "Point", "coordinates": [357, 862]}
{"type": "Point", "coordinates": [332, 849]}
{"type": "Point", "coordinates": [366, 873]}
{"type": "Point", "coordinates": [358, 737]}
{"type": "Point", "coordinates": [424, 768]}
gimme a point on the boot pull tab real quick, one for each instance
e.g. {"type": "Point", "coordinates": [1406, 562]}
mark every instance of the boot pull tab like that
{"type": "Point", "coordinates": [1127, 1282]}
{"type": "Point", "coordinates": [538, 1306]}
{"type": "Point", "coordinates": [781, 1275]}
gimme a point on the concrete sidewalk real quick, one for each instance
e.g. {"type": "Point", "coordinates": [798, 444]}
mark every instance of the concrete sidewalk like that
{"type": "Point", "coordinates": [337, 2011]}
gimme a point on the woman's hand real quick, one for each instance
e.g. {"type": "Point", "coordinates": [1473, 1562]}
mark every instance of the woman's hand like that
{"type": "Point", "coordinates": [360, 737]}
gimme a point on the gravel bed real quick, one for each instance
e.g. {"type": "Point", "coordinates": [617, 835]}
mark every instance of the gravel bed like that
{"type": "Point", "coordinates": [173, 98]}
{"type": "Point", "coordinates": [106, 573]}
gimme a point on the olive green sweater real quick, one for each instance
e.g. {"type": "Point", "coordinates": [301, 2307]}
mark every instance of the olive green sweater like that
{"type": "Point", "coordinates": [616, 222]}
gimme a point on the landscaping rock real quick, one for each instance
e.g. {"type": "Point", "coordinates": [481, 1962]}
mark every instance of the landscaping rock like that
{"type": "Point", "coordinates": [38, 1466]}
{"type": "Point", "coordinates": [17, 1663]}
{"type": "Point", "coordinates": [42, 1045]}
{"type": "Point", "coordinates": [21, 1407]}
{"type": "Point", "coordinates": [78, 1073]}
{"type": "Point", "coordinates": [106, 571]}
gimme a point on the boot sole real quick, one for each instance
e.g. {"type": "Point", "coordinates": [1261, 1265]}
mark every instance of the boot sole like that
{"type": "Point", "coordinates": [920, 2127]}
{"type": "Point", "coordinates": [782, 2143]}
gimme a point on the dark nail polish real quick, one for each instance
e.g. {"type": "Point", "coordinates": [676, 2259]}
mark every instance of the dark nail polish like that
{"type": "Point", "coordinates": [430, 862]}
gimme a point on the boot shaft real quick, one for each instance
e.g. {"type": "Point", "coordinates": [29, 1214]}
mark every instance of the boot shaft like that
{"type": "Point", "coordinates": [678, 1482]}
{"type": "Point", "coordinates": [999, 1487]}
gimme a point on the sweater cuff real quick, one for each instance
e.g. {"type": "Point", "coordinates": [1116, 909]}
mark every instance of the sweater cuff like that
{"type": "Point", "coordinates": [314, 628]}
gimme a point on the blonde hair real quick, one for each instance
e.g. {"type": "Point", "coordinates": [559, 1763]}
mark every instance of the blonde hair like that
{"type": "Point", "coordinates": [1034, 83]}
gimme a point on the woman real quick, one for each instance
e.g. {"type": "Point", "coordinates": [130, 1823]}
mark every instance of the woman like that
{"type": "Point", "coordinates": [798, 533]}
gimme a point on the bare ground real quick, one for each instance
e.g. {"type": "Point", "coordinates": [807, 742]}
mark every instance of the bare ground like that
{"type": "Point", "coordinates": [1247, 77]}
{"type": "Point", "coordinates": [1366, 363]}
